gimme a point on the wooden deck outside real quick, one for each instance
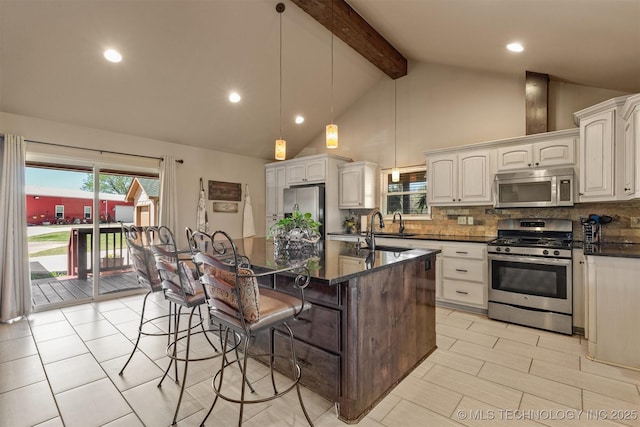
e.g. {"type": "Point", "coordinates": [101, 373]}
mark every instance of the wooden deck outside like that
{"type": "Point", "coordinates": [51, 290]}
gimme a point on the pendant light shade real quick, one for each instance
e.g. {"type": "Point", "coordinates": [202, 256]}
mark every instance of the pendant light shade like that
{"type": "Point", "coordinates": [281, 144]}
{"type": "Point", "coordinates": [395, 175]}
{"type": "Point", "coordinates": [395, 172]}
{"type": "Point", "coordinates": [332, 136]}
{"type": "Point", "coordinates": [332, 129]}
{"type": "Point", "coordinates": [281, 149]}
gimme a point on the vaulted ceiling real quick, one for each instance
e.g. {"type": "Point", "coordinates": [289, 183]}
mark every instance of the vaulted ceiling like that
{"type": "Point", "coordinates": [182, 58]}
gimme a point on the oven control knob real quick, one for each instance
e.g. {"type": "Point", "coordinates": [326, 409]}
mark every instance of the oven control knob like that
{"type": "Point", "coordinates": [556, 253]}
{"type": "Point", "coordinates": [545, 252]}
{"type": "Point", "coordinates": [498, 249]}
{"type": "Point", "coordinates": [507, 250]}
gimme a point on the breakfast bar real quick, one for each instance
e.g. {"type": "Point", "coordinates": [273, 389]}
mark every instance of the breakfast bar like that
{"type": "Point", "coordinates": [372, 321]}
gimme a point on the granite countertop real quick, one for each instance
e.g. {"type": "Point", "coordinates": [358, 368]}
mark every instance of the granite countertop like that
{"type": "Point", "coordinates": [613, 249]}
{"type": "Point", "coordinates": [333, 261]}
{"type": "Point", "coordinates": [439, 237]}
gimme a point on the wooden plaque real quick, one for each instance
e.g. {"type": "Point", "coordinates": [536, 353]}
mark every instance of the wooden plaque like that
{"type": "Point", "coordinates": [219, 190]}
{"type": "Point", "coordinates": [229, 207]}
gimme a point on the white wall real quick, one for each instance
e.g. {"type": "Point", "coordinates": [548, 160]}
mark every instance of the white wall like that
{"type": "Point", "coordinates": [208, 164]}
{"type": "Point", "coordinates": [441, 106]}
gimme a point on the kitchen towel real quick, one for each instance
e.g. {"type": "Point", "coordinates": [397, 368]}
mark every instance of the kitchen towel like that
{"type": "Point", "coordinates": [248, 225]}
{"type": "Point", "coordinates": [202, 221]}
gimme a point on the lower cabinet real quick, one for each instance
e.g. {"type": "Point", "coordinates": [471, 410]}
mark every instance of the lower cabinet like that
{"type": "Point", "coordinates": [318, 346]}
{"type": "Point", "coordinates": [464, 274]}
{"type": "Point", "coordinates": [612, 314]}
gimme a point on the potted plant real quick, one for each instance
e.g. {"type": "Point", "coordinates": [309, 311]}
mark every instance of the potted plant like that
{"type": "Point", "coordinates": [297, 233]}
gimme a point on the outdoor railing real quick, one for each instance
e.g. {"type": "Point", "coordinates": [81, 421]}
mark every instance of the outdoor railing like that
{"type": "Point", "coordinates": [113, 251]}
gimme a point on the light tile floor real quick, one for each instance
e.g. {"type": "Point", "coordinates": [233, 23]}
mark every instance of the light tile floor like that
{"type": "Point", "coordinates": [61, 368]}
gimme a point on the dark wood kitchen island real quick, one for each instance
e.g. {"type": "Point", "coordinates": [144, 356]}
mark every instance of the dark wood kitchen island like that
{"type": "Point", "coordinates": [372, 321]}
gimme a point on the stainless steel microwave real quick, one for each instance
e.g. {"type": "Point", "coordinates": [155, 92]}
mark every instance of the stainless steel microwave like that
{"type": "Point", "coordinates": [536, 188]}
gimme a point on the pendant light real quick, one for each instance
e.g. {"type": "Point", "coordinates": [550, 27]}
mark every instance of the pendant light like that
{"type": "Point", "coordinates": [332, 129]}
{"type": "Point", "coordinates": [395, 172]}
{"type": "Point", "coordinates": [281, 144]}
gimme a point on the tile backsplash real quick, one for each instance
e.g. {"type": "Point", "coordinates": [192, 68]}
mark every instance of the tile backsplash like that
{"type": "Point", "coordinates": [485, 218]}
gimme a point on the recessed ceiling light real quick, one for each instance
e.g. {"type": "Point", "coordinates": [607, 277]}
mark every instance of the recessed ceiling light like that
{"type": "Point", "coordinates": [515, 47]}
{"type": "Point", "coordinates": [234, 97]}
{"type": "Point", "coordinates": [112, 55]}
{"type": "Point", "coordinates": [299, 119]}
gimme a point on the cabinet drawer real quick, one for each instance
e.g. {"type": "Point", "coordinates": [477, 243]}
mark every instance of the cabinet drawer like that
{"type": "Point", "coordinates": [315, 364]}
{"type": "Point", "coordinates": [466, 293]}
{"type": "Point", "coordinates": [315, 292]}
{"type": "Point", "coordinates": [467, 251]}
{"type": "Point", "coordinates": [320, 326]}
{"type": "Point", "coordinates": [463, 269]}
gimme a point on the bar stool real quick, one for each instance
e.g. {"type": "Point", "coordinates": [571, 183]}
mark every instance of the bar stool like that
{"type": "Point", "coordinates": [147, 276]}
{"type": "Point", "coordinates": [182, 288]}
{"type": "Point", "coordinates": [237, 303]}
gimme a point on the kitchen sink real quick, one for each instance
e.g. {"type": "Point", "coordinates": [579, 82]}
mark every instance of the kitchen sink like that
{"type": "Point", "coordinates": [391, 248]}
{"type": "Point", "coordinates": [383, 234]}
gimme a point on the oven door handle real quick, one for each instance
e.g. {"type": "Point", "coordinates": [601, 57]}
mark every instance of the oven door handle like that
{"type": "Point", "coordinates": [530, 260]}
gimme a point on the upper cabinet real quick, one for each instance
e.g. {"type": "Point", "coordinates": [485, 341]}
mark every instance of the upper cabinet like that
{"type": "Point", "coordinates": [601, 144]}
{"type": "Point", "coordinates": [631, 162]}
{"type": "Point", "coordinates": [552, 149]}
{"type": "Point", "coordinates": [459, 178]}
{"type": "Point", "coordinates": [307, 172]}
{"type": "Point", "coordinates": [357, 185]}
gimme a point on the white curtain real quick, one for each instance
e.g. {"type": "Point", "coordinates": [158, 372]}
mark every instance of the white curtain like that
{"type": "Point", "coordinates": [168, 194]}
{"type": "Point", "coordinates": [248, 224]}
{"type": "Point", "coordinates": [15, 285]}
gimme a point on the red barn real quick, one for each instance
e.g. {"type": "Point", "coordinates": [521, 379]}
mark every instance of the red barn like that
{"type": "Point", "coordinates": [46, 205]}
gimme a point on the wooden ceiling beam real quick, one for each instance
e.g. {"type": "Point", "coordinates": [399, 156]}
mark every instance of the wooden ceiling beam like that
{"type": "Point", "coordinates": [351, 28]}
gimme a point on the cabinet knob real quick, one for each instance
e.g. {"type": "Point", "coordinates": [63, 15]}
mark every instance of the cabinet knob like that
{"type": "Point", "coordinates": [580, 194]}
{"type": "Point", "coordinates": [454, 200]}
{"type": "Point", "coordinates": [459, 200]}
{"type": "Point", "coordinates": [528, 164]}
{"type": "Point", "coordinates": [537, 163]}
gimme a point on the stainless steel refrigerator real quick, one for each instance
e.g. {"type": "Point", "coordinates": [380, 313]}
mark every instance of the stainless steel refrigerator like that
{"type": "Point", "coordinates": [306, 199]}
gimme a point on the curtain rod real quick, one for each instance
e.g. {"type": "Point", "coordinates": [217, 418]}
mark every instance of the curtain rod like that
{"type": "Point", "coordinates": [99, 151]}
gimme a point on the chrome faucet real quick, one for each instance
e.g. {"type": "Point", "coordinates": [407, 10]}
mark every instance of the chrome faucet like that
{"type": "Point", "coordinates": [371, 238]}
{"type": "Point", "coordinates": [401, 229]}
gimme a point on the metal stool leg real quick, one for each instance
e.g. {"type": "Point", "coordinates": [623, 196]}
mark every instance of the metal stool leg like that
{"type": "Point", "coordinates": [224, 362]}
{"type": "Point", "coordinates": [296, 371]}
{"type": "Point", "coordinates": [135, 347]}
{"type": "Point", "coordinates": [186, 366]}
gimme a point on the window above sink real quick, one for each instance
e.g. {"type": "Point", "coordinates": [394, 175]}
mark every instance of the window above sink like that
{"type": "Point", "coordinates": [408, 196]}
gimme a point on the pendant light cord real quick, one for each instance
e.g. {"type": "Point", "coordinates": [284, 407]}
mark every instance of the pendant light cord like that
{"type": "Point", "coordinates": [280, 75]}
{"type": "Point", "coordinates": [395, 123]}
{"type": "Point", "coordinates": [332, 30]}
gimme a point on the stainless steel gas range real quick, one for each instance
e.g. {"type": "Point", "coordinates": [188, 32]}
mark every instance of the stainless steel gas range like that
{"type": "Point", "coordinates": [530, 274]}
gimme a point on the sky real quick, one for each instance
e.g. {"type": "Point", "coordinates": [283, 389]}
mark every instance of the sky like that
{"type": "Point", "coordinates": [55, 178]}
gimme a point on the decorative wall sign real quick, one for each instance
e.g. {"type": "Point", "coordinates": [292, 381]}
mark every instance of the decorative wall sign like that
{"type": "Point", "coordinates": [228, 207]}
{"type": "Point", "coordinates": [219, 190]}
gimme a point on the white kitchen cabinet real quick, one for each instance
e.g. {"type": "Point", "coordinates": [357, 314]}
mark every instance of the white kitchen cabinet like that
{"type": "Point", "coordinates": [459, 178]}
{"type": "Point", "coordinates": [631, 160]}
{"type": "Point", "coordinates": [579, 296]}
{"type": "Point", "coordinates": [275, 180]}
{"type": "Point", "coordinates": [613, 315]}
{"type": "Point", "coordinates": [552, 151]}
{"type": "Point", "coordinates": [464, 274]}
{"type": "Point", "coordinates": [601, 151]}
{"type": "Point", "coordinates": [357, 185]}
{"type": "Point", "coordinates": [307, 172]}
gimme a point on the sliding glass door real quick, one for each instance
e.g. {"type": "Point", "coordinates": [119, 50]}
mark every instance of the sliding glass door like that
{"type": "Point", "coordinates": [76, 248]}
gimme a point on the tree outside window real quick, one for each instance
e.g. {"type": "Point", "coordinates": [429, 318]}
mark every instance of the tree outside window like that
{"type": "Point", "coordinates": [408, 196]}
